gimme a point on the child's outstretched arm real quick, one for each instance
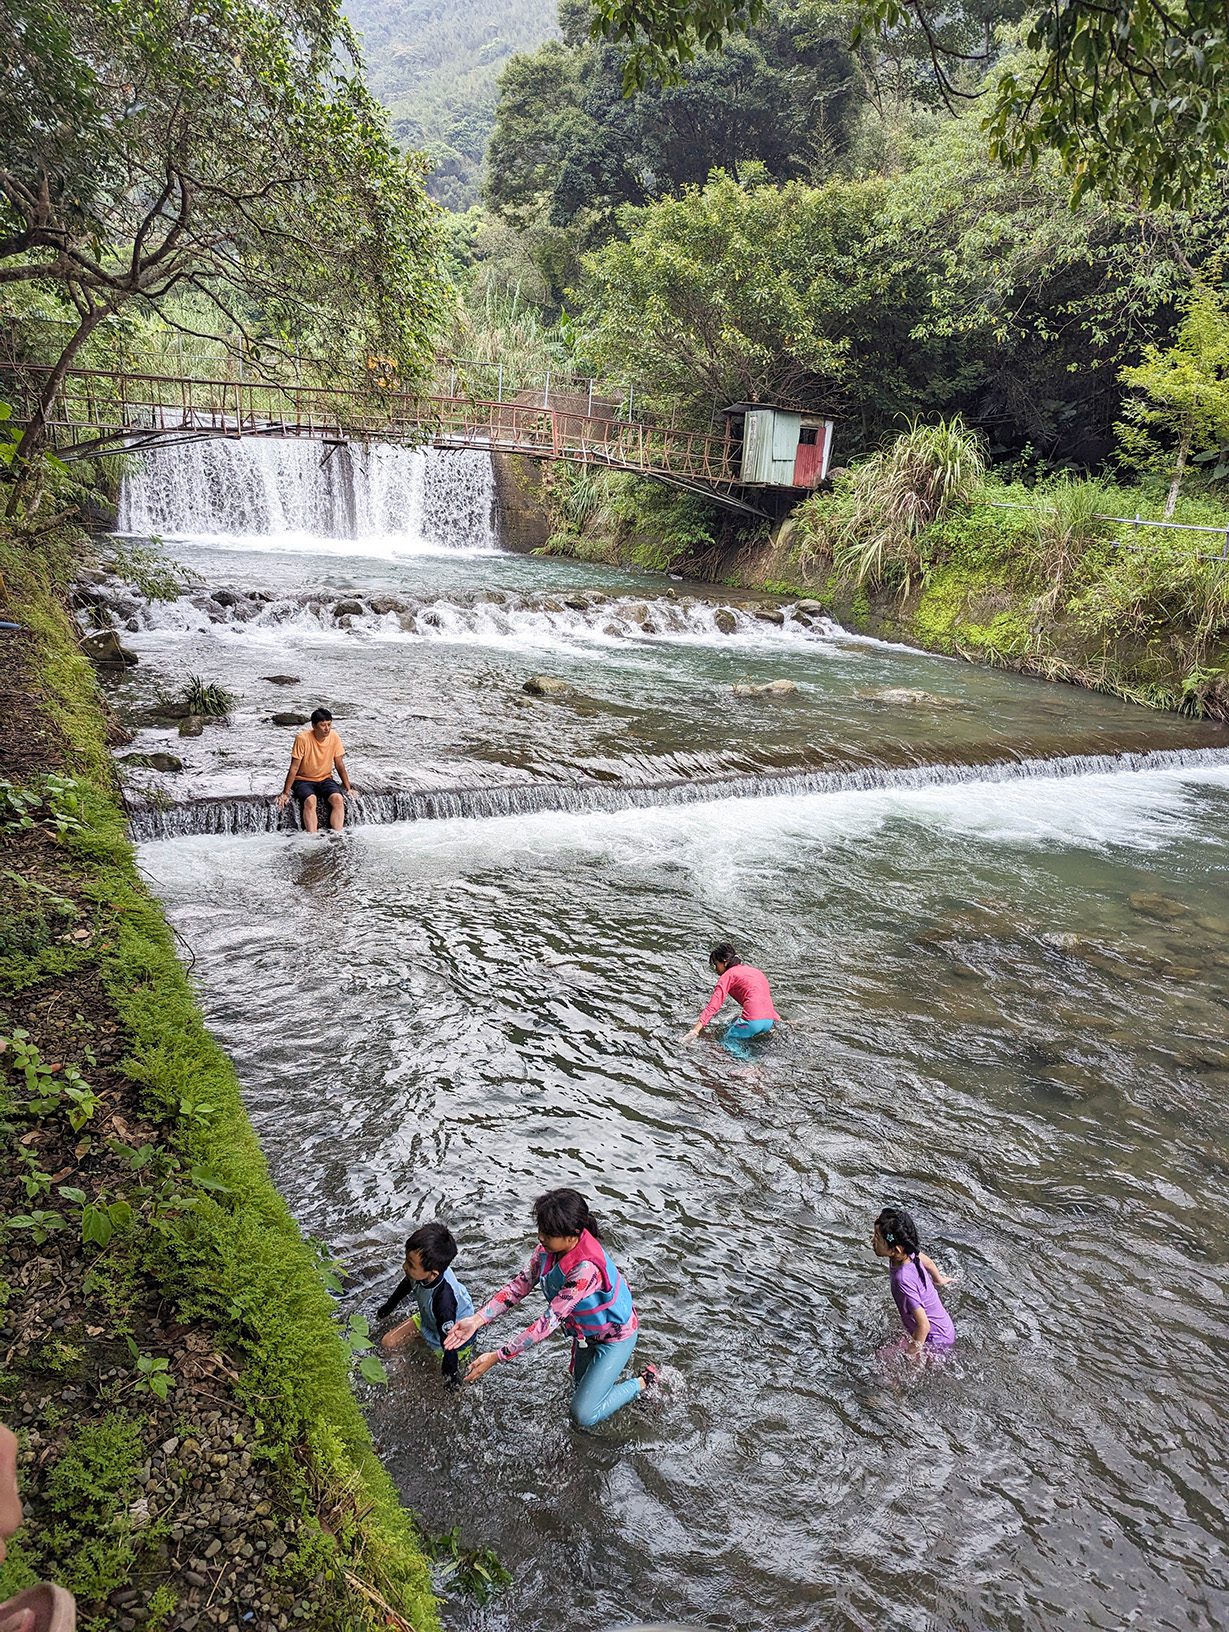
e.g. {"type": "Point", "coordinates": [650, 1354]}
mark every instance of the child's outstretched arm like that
{"type": "Point", "coordinates": [402, 1289]}
{"type": "Point", "coordinates": [933, 1270]}
{"type": "Point", "coordinates": [712, 1008]}
{"type": "Point", "coordinates": [507, 1297]}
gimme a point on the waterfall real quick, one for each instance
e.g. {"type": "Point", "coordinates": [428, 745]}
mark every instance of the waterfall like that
{"type": "Point", "coordinates": [224, 816]}
{"type": "Point", "coordinates": [287, 492]}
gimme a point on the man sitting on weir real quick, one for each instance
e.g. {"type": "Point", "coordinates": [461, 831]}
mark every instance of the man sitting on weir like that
{"type": "Point", "coordinates": [313, 759]}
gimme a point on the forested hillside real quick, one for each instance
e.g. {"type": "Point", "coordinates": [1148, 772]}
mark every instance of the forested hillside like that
{"type": "Point", "coordinates": [434, 63]}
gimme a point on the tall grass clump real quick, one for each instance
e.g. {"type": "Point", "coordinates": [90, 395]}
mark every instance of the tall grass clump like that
{"type": "Point", "coordinates": [1070, 522]}
{"type": "Point", "coordinates": [896, 494]}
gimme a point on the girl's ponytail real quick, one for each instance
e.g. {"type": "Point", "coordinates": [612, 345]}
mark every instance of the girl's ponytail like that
{"type": "Point", "coordinates": [898, 1229]}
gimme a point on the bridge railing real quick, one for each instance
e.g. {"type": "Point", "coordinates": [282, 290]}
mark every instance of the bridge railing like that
{"type": "Point", "coordinates": [96, 409]}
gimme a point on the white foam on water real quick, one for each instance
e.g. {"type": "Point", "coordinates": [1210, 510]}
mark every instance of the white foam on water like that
{"type": "Point", "coordinates": [278, 495]}
{"type": "Point", "coordinates": [723, 842]}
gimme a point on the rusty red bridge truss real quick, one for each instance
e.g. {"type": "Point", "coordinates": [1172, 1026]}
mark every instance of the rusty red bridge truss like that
{"type": "Point", "coordinates": [96, 410]}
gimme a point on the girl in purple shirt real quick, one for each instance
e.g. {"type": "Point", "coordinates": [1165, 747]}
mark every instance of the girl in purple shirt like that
{"type": "Point", "coordinates": [915, 1283]}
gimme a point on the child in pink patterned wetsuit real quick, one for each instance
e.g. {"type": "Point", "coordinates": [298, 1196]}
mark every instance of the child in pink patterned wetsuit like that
{"type": "Point", "coordinates": [585, 1294]}
{"type": "Point", "coordinates": [915, 1282]}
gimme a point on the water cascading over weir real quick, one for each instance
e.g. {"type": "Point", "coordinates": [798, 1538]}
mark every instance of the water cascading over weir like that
{"type": "Point", "coordinates": [240, 816]}
{"type": "Point", "coordinates": [303, 490]}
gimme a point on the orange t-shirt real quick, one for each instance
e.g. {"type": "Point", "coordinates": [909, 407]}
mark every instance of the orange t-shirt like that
{"type": "Point", "coordinates": [317, 757]}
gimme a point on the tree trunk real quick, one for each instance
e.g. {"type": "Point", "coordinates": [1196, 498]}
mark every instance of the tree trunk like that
{"type": "Point", "coordinates": [35, 433]}
{"type": "Point", "coordinates": [1171, 503]}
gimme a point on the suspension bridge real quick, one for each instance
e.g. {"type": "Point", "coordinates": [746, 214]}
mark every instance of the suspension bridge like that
{"type": "Point", "coordinates": [99, 410]}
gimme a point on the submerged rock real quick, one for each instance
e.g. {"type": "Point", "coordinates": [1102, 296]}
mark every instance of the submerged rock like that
{"type": "Point", "coordinates": [772, 688]}
{"type": "Point", "coordinates": [906, 697]}
{"type": "Point", "coordinates": [154, 762]}
{"type": "Point", "coordinates": [725, 620]}
{"type": "Point", "coordinates": [1152, 904]}
{"type": "Point", "coordinates": [769, 614]}
{"type": "Point", "coordinates": [105, 649]}
{"type": "Point", "coordinates": [350, 609]}
{"type": "Point", "coordinates": [282, 679]}
{"type": "Point", "coordinates": [545, 685]}
{"type": "Point", "coordinates": [191, 725]}
{"type": "Point", "coordinates": [288, 719]}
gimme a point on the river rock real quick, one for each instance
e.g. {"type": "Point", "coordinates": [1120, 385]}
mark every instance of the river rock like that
{"type": "Point", "coordinates": [105, 649]}
{"type": "Point", "coordinates": [810, 609]}
{"type": "Point", "coordinates": [1152, 904]}
{"type": "Point", "coordinates": [905, 697]}
{"type": "Point", "coordinates": [225, 597]}
{"type": "Point", "coordinates": [725, 620]}
{"type": "Point", "coordinates": [348, 609]}
{"type": "Point", "coordinates": [154, 762]}
{"type": "Point", "coordinates": [407, 623]}
{"type": "Point", "coordinates": [383, 604]}
{"type": "Point", "coordinates": [282, 679]}
{"type": "Point", "coordinates": [545, 685]}
{"type": "Point", "coordinates": [772, 688]}
{"type": "Point", "coordinates": [574, 603]}
{"type": "Point", "coordinates": [191, 725]}
{"type": "Point", "coordinates": [770, 614]}
{"type": "Point", "coordinates": [288, 719]}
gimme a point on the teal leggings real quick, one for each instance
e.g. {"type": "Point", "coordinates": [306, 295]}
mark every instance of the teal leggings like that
{"type": "Point", "coordinates": [598, 1394]}
{"type": "Point", "coordinates": [738, 1035]}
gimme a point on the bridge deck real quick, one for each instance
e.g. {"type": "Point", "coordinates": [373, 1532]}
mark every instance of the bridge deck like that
{"type": "Point", "coordinates": [97, 411]}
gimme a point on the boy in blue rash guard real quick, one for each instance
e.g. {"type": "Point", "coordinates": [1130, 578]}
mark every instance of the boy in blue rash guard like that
{"type": "Point", "coordinates": [442, 1300]}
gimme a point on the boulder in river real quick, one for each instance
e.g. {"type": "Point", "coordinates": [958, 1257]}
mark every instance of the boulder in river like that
{"type": "Point", "coordinates": [545, 685]}
{"type": "Point", "coordinates": [191, 725]}
{"type": "Point", "coordinates": [907, 697]}
{"type": "Point", "coordinates": [1152, 904]}
{"type": "Point", "coordinates": [771, 688]}
{"type": "Point", "coordinates": [105, 649]}
{"type": "Point", "coordinates": [725, 620]}
{"type": "Point", "coordinates": [770, 614]}
{"type": "Point", "coordinates": [809, 609]}
{"type": "Point", "coordinates": [288, 719]}
{"type": "Point", "coordinates": [383, 604]}
{"type": "Point", "coordinates": [154, 762]}
{"type": "Point", "coordinates": [348, 609]}
{"type": "Point", "coordinates": [282, 679]}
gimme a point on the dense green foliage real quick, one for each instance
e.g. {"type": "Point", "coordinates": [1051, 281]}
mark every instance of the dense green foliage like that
{"type": "Point", "coordinates": [226, 150]}
{"type": "Point", "coordinates": [1129, 96]}
{"type": "Point", "coordinates": [945, 286]}
{"type": "Point", "coordinates": [434, 64]}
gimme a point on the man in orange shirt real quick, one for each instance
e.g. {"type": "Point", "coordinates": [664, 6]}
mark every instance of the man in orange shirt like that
{"type": "Point", "coordinates": [315, 755]}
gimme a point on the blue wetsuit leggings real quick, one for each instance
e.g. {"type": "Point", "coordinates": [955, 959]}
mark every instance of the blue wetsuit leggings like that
{"type": "Point", "coordinates": [598, 1394]}
{"type": "Point", "coordinates": [737, 1035]}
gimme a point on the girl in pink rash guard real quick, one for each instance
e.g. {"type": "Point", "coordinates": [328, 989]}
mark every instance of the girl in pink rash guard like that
{"type": "Point", "coordinates": [915, 1283]}
{"type": "Point", "coordinates": [748, 986]}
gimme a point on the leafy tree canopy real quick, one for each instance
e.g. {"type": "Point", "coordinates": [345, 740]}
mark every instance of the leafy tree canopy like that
{"type": "Point", "coordinates": [224, 150]}
{"type": "Point", "coordinates": [1127, 94]}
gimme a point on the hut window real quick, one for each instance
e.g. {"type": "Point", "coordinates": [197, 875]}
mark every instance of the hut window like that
{"type": "Point", "coordinates": [808, 436]}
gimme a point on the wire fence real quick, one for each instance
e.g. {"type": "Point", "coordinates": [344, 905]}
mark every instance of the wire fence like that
{"type": "Point", "coordinates": [1137, 522]}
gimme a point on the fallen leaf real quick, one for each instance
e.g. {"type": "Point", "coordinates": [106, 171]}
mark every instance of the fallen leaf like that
{"type": "Point", "coordinates": [58, 1178]}
{"type": "Point", "coordinates": [31, 1138]}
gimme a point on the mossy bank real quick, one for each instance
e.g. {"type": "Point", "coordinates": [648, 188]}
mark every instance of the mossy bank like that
{"type": "Point", "coordinates": [1026, 578]}
{"type": "Point", "coordinates": [193, 1453]}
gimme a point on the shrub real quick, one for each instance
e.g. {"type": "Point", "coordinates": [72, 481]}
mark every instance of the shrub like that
{"type": "Point", "coordinates": [899, 492]}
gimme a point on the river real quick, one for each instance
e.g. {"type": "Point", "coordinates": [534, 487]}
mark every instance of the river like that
{"type": "Point", "coordinates": [996, 917]}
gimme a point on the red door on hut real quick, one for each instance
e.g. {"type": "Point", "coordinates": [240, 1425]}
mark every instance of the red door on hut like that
{"type": "Point", "coordinates": [811, 460]}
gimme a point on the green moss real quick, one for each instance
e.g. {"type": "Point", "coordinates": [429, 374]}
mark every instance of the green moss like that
{"type": "Point", "coordinates": [90, 1489]}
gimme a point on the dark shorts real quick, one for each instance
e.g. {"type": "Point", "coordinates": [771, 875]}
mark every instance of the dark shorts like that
{"type": "Point", "coordinates": [304, 790]}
